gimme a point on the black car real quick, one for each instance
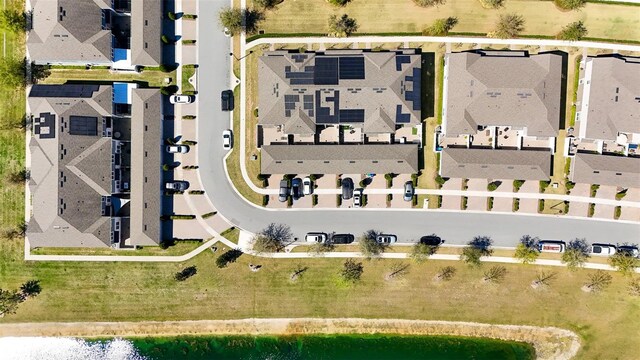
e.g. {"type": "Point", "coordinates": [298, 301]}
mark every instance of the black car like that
{"type": "Point", "coordinates": [347, 188]}
{"type": "Point", "coordinates": [227, 100]}
{"type": "Point", "coordinates": [296, 188]}
{"type": "Point", "coordinates": [431, 240]}
{"type": "Point", "coordinates": [342, 239]}
{"type": "Point", "coordinates": [284, 191]}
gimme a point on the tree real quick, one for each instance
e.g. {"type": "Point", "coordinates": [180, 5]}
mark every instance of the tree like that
{"type": "Point", "coordinates": [186, 273]}
{"type": "Point", "coordinates": [573, 31]}
{"type": "Point", "coordinates": [272, 238]}
{"type": "Point", "coordinates": [576, 254]}
{"type": "Point", "coordinates": [441, 27]}
{"type": "Point", "coordinates": [624, 262]}
{"type": "Point", "coordinates": [352, 271]}
{"type": "Point", "coordinates": [238, 20]}
{"type": "Point", "coordinates": [397, 270]}
{"type": "Point", "coordinates": [30, 288]}
{"type": "Point", "coordinates": [266, 4]}
{"type": "Point", "coordinates": [13, 20]}
{"type": "Point", "coordinates": [445, 273]}
{"type": "Point", "coordinates": [495, 274]}
{"type": "Point", "coordinates": [12, 72]}
{"type": "Point", "coordinates": [369, 246]}
{"type": "Point", "coordinates": [492, 4]}
{"type": "Point", "coordinates": [9, 301]}
{"type": "Point", "coordinates": [508, 26]}
{"type": "Point", "coordinates": [570, 4]}
{"type": "Point", "coordinates": [338, 2]}
{"type": "Point", "coordinates": [421, 252]}
{"type": "Point", "coordinates": [527, 250]}
{"type": "Point", "coordinates": [342, 26]}
{"type": "Point", "coordinates": [428, 3]}
{"type": "Point", "coordinates": [543, 279]}
{"type": "Point", "coordinates": [598, 281]}
{"type": "Point", "coordinates": [475, 249]}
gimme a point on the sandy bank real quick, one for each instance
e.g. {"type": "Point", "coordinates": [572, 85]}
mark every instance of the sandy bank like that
{"type": "Point", "coordinates": [549, 342]}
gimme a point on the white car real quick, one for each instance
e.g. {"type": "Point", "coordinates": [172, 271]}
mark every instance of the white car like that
{"type": "Point", "coordinates": [307, 186]}
{"type": "Point", "coordinates": [603, 249]}
{"type": "Point", "coordinates": [357, 198]}
{"type": "Point", "coordinates": [176, 185]}
{"type": "Point", "coordinates": [227, 139]}
{"type": "Point", "coordinates": [316, 237]}
{"type": "Point", "coordinates": [551, 246]}
{"type": "Point", "coordinates": [386, 239]}
{"type": "Point", "coordinates": [177, 149]}
{"type": "Point", "coordinates": [227, 33]}
{"type": "Point", "coordinates": [180, 99]}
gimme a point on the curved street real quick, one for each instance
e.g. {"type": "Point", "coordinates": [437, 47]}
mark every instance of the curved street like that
{"type": "Point", "coordinates": [455, 228]}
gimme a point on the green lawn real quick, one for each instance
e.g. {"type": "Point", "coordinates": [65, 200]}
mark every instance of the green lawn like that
{"type": "Point", "coordinates": [606, 21]}
{"type": "Point", "coordinates": [187, 72]}
{"type": "Point", "coordinates": [180, 248]}
{"type": "Point", "coordinates": [150, 78]}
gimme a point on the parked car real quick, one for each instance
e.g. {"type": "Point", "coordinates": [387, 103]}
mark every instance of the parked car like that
{"type": "Point", "coordinates": [342, 239]}
{"type": "Point", "coordinates": [629, 249]}
{"type": "Point", "coordinates": [347, 188]}
{"type": "Point", "coordinates": [176, 185]}
{"type": "Point", "coordinates": [307, 186]}
{"type": "Point", "coordinates": [181, 99]}
{"type": "Point", "coordinates": [227, 100]}
{"type": "Point", "coordinates": [551, 246]}
{"type": "Point", "coordinates": [177, 149]}
{"type": "Point", "coordinates": [357, 198]}
{"type": "Point", "coordinates": [386, 239]}
{"type": "Point", "coordinates": [431, 240]}
{"type": "Point", "coordinates": [603, 249]}
{"type": "Point", "coordinates": [284, 190]}
{"type": "Point", "coordinates": [408, 191]}
{"type": "Point", "coordinates": [227, 139]}
{"type": "Point", "coordinates": [318, 237]}
{"type": "Point", "coordinates": [296, 188]}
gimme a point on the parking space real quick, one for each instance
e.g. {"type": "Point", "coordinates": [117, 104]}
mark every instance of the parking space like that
{"type": "Point", "coordinates": [477, 203]}
{"type": "Point", "coordinates": [603, 211]}
{"type": "Point", "coordinates": [274, 203]}
{"type": "Point", "coordinates": [606, 192]}
{"type": "Point", "coordinates": [578, 209]}
{"type": "Point", "coordinates": [397, 202]}
{"type": "Point", "coordinates": [376, 182]}
{"type": "Point", "coordinates": [581, 190]}
{"type": "Point", "coordinates": [218, 223]}
{"type": "Point", "coordinates": [376, 201]}
{"type": "Point", "coordinates": [452, 184]}
{"type": "Point", "coordinates": [189, 229]}
{"type": "Point", "coordinates": [477, 185]}
{"type": "Point", "coordinates": [180, 205]}
{"type": "Point", "coordinates": [451, 202]}
{"type": "Point", "coordinates": [326, 201]}
{"type": "Point", "coordinates": [504, 185]}
{"type": "Point", "coordinates": [502, 204]}
{"type": "Point", "coordinates": [630, 214]}
{"type": "Point", "coordinates": [530, 186]}
{"type": "Point", "coordinates": [529, 206]}
{"type": "Point", "coordinates": [633, 194]}
{"type": "Point", "coordinates": [305, 202]}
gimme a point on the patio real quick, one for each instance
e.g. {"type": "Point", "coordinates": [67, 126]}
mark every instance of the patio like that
{"type": "Point", "coordinates": [459, 141]}
{"type": "Point", "coordinates": [483, 138]}
{"type": "Point", "coordinates": [329, 135]}
{"type": "Point", "coordinates": [352, 135]}
{"type": "Point", "coordinates": [531, 142]}
{"type": "Point", "coordinates": [508, 137]}
{"type": "Point", "coordinates": [408, 134]}
{"type": "Point", "coordinates": [273, 135]}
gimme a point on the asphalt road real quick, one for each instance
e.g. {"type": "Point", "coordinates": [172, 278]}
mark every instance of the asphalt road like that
{"type": "Point", "coordinates": [455, 228]}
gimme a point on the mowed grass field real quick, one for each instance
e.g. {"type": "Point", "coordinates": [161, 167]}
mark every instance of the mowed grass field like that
{"type": "Point", "coordinates": [607, 21]}
{"type": "Point", "coordinates": [607, 322]}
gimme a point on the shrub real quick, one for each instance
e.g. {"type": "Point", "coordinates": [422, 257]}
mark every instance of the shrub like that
{"type": "Point", "coordinates": [441, 27]}
{"type": "Point", "coordinates": [624, 262]}
{"type": "Point", "coordinates": [209, 214]}
{"type": "Point", "coordinates": [342, 26]}
{"type": "Point", "coordinates": [517, 184]}
{"type": "Point", "coordinates": [182, 217]}
{"type": "Point", "coordinates": [544, 185]}
{"type": "Point", "coordinates": [166, 40]}
{"type": "Point", "coordinates": [490, 203]}
{"type": "Point", "coordinates": [314, 200]}
{"type": "Point", "coordinates": [255, 112]}
{"type": "Point", "coordinates": [594, 190]}
{"type": "Point", "coordinates": [420, 252]}
{"type": "Point", "coordinates": [188, 42]}
{"type": "Point", "coordinates": [570, 4]}
{"type": "Point", "coordinates": [189, 142]}
{"type": "Point", "coordinates": [240, 20]}
{"type": "Point", "coordinates": [186, 273]}
{"type": "Point", "coordinates": [266, 4]}
{"type": "Point", "coordinates": [508, 26]}
{"type": "Point", "coordinates": [440, 180]}
{"type": "Point", "coordinates": [464, 203]}
{"type": "Point", "coordinates": [169, 90]}
{"type": "Point", "coordinates": [338, 2]}
{"type": "Point", "coordinates": [196, 192]}
{"type": "Point", "coordinates": [368, 245]}
{"type": "Point", "coordinates": [13, 20]}
{"type": "Point", "coordinates": [492, 4]}
{"type": "Point", "coordinates": [617, 211]}
{"type": "Point", "coordinates": [428, 3]}
{"type": "Point", "coordinates": [540, 205]}
{"type": "Point", "coordinates": [492, 186]}
{"type": "Point", "coordinates": [621, 194]}
{"type": "Point", "coordinates": [227, 257]}
{"type": "Point", "coordinates": [576, 253]}
{"type": "Point", "coordinates": [171, 15]}
{"type": "Point", "coordinates": [592, 209]}
{"type": "Point", "coordinates": [516, 204]}
{"type": "Point", "coordinates": [573, 31]}
{"type": "Point", "coordinates": [188, 117]}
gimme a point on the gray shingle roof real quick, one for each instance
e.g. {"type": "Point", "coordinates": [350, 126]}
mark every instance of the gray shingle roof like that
{"type": "Point", "coordinates": [489, 89]}
{"type": "Point", "coordinates": [74, 34]}
{"type": "Point", "coordinates": [339, 159]}
{"type": "Point", "coordinates": [606, 170]}
{"type": "Point", "coordinates": [495, 164]}
{"type": "Point", "coordinates": [612, 99]}
{"type": "Point", "coordinates": [146, 32]}
{"type": "Point", "coordinates": [325, 84]}
{"type": "Point", "coordinates": [146, 171]}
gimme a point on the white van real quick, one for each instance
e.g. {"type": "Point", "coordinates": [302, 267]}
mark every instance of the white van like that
{"type": "Point", "coordinates": [551, 246]}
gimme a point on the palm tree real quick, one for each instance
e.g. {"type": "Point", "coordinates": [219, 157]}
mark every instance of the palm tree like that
{"type": "Point", "coordinates": [30, 288]}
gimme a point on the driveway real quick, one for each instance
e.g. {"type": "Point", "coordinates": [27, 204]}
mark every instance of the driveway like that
{"type": "Point", "coordinates": [457, 228]}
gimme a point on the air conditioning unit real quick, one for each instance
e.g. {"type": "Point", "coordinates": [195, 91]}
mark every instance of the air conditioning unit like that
{"type": "Point", "coordinates": [125, 185]}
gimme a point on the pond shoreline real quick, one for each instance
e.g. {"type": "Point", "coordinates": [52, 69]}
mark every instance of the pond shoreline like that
{"type": "Point", "coordinates": [549, 342]}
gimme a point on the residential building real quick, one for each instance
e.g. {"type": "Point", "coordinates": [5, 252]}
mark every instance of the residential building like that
{"type": "Point", "coordinates": [95, 166]}
{"type": "Point", "coordinates": [619, 171]}
{"type": "Point", "coordinates": [335, 102]}
{"type": "Point", "coordinates": [507, 100]}
{"type": "Point", "coordinates": [120, 34]}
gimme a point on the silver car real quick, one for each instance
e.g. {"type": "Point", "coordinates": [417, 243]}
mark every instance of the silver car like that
{"type": "Point", "coordinates": [408, 191]}
{"type": "Point", "coordinates": [176, 185]}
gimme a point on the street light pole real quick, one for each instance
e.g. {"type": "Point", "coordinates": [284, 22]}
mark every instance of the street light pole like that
{"type": "Point", "coordinates": [242, 57]}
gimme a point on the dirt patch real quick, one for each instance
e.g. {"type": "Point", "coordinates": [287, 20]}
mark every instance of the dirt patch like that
{"type": "Point", "coordinates": [549, 342]}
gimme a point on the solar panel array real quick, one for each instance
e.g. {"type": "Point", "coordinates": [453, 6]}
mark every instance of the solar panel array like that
{"type": "Point", "coordinates": [83, 125]}
{"type": "Point", "coordinates": [64, 90]}
{"type": "Point", "coordinates": [352, 115]}
{"type": "Point", "coordinates": [413, 95]}
{"type": "Point", "coordinates": [326, 71]}
{"type": "Point", "coordinates": [351, 68]}
{"type": "Point", "coordinates": [402, 59]}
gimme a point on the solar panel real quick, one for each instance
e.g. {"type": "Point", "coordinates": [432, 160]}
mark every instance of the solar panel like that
{"type": "Point", "coordinates": [45, 126]}
{"type": "Point", "coordinates": [83, 125]}
{"type": "Point", "coordinates": [326, 71]}
{"type": "Point", "coordinates": [352, 115]}
{"type": "Point", "coordinates": [351, 68]}
{"type": "Point", "coordinates": [414, 94]}
{"type": "Point", "coordinates": [64, 90]}
{"type": "Point", "coordinates": [401, 59]}
{"type": "Point", "coordinates": [400, 117]}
